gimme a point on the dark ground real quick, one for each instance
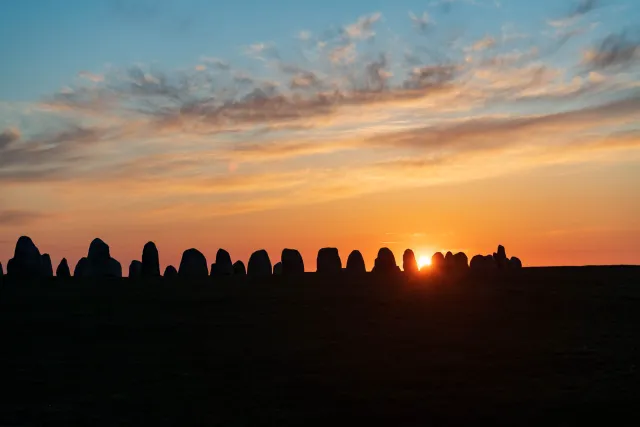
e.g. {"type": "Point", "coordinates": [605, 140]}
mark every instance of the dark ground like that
{"type": "Point", "coordinates": [543, 347]}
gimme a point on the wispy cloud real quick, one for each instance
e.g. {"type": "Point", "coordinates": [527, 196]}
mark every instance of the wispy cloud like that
{"type": "Point", "coordinates": [14, 217]}
{"type": "Point", "coordinates": [291, 125]}
{"type": "Point", "coordinates": [362, 29]}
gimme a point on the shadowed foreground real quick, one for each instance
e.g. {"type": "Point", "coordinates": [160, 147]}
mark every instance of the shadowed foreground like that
{"type": "Point", "coordinates": [553, 346]}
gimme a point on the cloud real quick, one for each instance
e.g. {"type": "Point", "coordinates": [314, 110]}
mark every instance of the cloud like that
{"type": "Point", "coordinates": [616, 50]}
{"type": "Point", "coordinates": [14, 217]}
{"type": "Point", "coordinates": [421, 23]}
{"type": "Point", "coordinates": [343, 54]}
{"type": "Point", "coordinates": [362, 29]}
{"type": "Point", "coordinates": [485, 43]}
{"type": "Point", "coordinates": [91, 77]}
{"type": "Point", "coordinates": [216, 63]}
{"type": "Point", "coordinates": [489, 133]}
{"type": "Point", "coordinates": [7, 137]}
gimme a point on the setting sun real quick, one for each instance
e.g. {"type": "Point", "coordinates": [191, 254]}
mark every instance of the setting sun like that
{"type": "Point", "coordinates": [424, 261]}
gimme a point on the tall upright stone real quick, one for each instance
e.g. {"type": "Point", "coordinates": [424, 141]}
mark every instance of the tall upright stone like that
{"type": "Point", "coordinates": [135, 269]}
{"type": "Point", "coordinates": [409, 263]}
{"type": "Point", "coordinates": [26, 261]}
{"type": "Point", "coordinates": [150, 261]}
{"type": "Point", "coordinates": [385, 262]}
{"type": "Point", "coordinates": [224, 266]}
{"type": "Point", "coordinates": [82, 268]}
{"type": "Point", "coordinates": [437, 261]}
{"type": "Point", "coordinates": [482, 263]}
{"type": "Point", "coordinates": [99, 262]}
{"type": "Point", "coordinates": [1, 270]}
{"type": "Point", "coordinates": [193, 264]}
{"type": "Point", "coordinates": [47, 267]}
{"type": "Point", "coordinates": [292, 263]}
{"type": "Point", "coordinates": [277, 269]}
{"type": "Point", "coordinates": [460, 261]}
{"type": "Point", "coordinates": [515, 263]}
{"type": "Point", "coordinates": [355, 263]}
{"type": "Point", "coordinates": [239, 269]}
{"type": "Point", "coordinates": [63, 270]}
{"type": "Point", "coordinates": [500, 258]}
{"type": "Point", "coordinates": [328, 261]}
{"type": "Point", "coordinates": [259, 264]}
{"type": "Point", "coordinates": [449, 263]}
{"type": "Point", "coordinates": [170, 272]}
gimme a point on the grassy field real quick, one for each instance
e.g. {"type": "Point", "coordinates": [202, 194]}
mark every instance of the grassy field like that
{"type": "Point", "coordinates": [556, 346]}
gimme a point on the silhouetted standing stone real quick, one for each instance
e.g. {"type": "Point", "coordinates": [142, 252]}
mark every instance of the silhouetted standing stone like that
{"type": "Point", "coordinates": [385, 262]}
{"type": "Point", "coordinates": [515, 263]}
{"type": "Point", "coordinates": [460, 261]}
{"type": "Point", "coordinates": [213, 271]}
{"type": "Point", "coordinates": [500, 258]}
{"type": "Point", "coordinates": [170, 272]}
{"type": "Point", "coordinates": [239, 269]}
{"type": "Point", "coordinates": [26, 261]}
{"type": "Point", "coordinates": [449, 263]}
{"type": "Point", "coordinates": [47, 267]}
{"type": "Point", "coordinates": [259, 264]}
{"type": "Point", "coordinates": [150, 261]}
{"type": "Point", "coordinates": [135, 269]}
{"type": "Point", "coordinates": [81, 268]}
{"type": "Point", "coordinates": [63, 270]}
{"type": "Point", "coordinates": [292, 262]}
{"type": "Point", "coordinates": [328, 261]}
{"type": "Point", "coordinates": [1, 270]}
{"type": "Point", "coordinates": [437, 261]}
{"type": "Point", "coordinates": [355, 263]}
{"type": "Point", "coordinates": [482, 263]}
{"type": "Point", "coordinates": [277, 269]}
{"type": "Point", "coordinates": [224, 266]}
{"type": "Point", "coordinates": [99, 262]}
{"type": "Point", "coordinates": [409, 264]}
{"type": "Point", "coordinates": [193, 264]}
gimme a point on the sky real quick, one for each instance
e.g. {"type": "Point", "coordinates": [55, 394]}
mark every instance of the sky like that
{"type": "Point", "coordinates": [433, 125]}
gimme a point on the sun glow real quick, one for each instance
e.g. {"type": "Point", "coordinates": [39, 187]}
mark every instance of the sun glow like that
{"type": "Point", "coordinates": [424, 261]}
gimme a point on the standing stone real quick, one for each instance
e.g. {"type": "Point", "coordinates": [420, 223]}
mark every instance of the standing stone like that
{"type": "Point", "coordinates": [193, 264]}
{"type": "Point", "coordinates": [515, 263]}
{"type": "Point", "coordinates": [1, 270]}
{"type": "Point", "coordinates": [224, 266]}
{"type": "Point", "coordinates": [409, 264]}
{"type": "Point", "coordinates": [99, 262]}
{"type": "Point", "coordinates": [82, 267]}
{"type": "Point", "coordinates": [170, 272]}
{"type": "Point", "coordinates": [328, 261]}
{"type": "Point", "coordinates": [277, 269]}
{"type": "Point", "coordinates": [259, 264]}
{"type": "Point", "coordinates": [213, 271]}
{"type": "Point", "coordinates": [150, 261]}
{"type": "Point", "coordinates": [135, 269]}
{"type": "Point", "coordinates": [292, 262]}
{"type": "Point", "coordinates": [47, 267]}
{"type": "Point", "coordinates": [239, 269]}
{"type": "Point", "coordinates": [63, 270]}
{"type": "Point", "coordinates": [385, 262]}
{"type": "Point", "coordinates": [355, 263]}
{"type": "Point", "coordinates": [482, 263]}
{"type": "Point", "coordinates": [449, 263]}
{"type": "Point", "coordinates": [26, 261]}
{"type": "Point", "coordinates": [437, 261]}
{"type": "Point", "coordinates": [460, 261]}
{"type": "Point", "coordinates": [500, 258]}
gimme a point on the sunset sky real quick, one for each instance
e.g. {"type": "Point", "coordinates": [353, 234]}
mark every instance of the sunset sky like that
{"type": "Point", "coordinates": [432, 125]}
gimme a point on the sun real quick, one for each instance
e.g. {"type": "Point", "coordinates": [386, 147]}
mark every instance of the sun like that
{"type": "Point", "coordinates": [424, 261]}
